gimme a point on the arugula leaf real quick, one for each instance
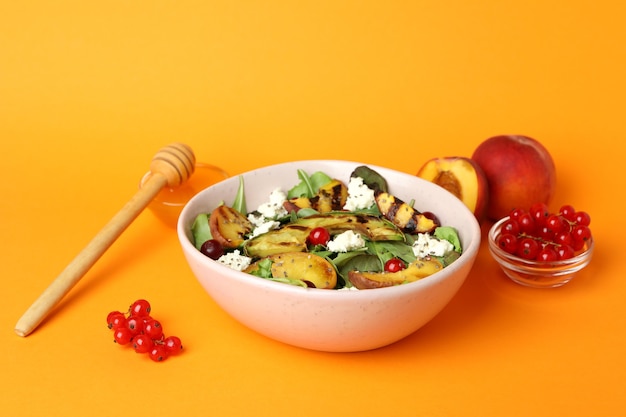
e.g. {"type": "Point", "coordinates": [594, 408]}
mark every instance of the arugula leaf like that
{"type": "Point", "coordinates": [200, 230]}
{"type": "Point", "coordinates": [309, 185]}
{"type": "Point", "coordinates": [240, 199]}
{"type": "Point", "coordinates": [371, 178]}
{"type": "Point", "coordinates": [450, 234]}
{"type": "Point", "coordinates": [392, 249]}
{"type": "Point", "coordinates": [264, 269]}
{"type": "Point", "coordinates": [356, 261]}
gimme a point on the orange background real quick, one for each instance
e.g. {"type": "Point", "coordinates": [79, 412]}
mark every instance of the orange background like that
{"type": "Point", "coordinates": [90, 90]}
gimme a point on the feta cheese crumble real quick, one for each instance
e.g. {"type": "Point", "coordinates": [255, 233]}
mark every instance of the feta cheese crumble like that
{"type": "Point", "coordinates": [346, 242]}
{"type": "Point", "coordinates": [360, 196]}
{"type": "Point", "coordinates": [426, 245]}
{"type": "Point", "coordinates": [261, 224]}
{"type": "Point", "coordinates": [274, 209]}
{"type": "Point", "coordinates": [235, 260]}
{"type": "Point", "coordinates": [264, 218]}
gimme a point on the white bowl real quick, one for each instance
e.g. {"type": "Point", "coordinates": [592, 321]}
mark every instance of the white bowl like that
{"type": "Point", "coordinates": [330, 320]}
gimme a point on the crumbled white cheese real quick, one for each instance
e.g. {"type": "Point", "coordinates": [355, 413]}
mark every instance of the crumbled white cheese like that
{"type": "Point", "coordinates": [426, 245]}
{"type": "Point", "coordinates": [265, 227]}
{"type": "Point", "coordinates": [256, 219]}
{"type": "Point", "coordinates": [235, 260]}
{"type": "Point", "coordinates": [274, 209]}
{"type": "Point", "coordinates": [360, 196]}
{"type": "Point", "coordinates": [345, 242]}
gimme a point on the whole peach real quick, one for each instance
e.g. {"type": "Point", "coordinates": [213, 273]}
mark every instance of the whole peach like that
{"type": "Point", "coordinates": [520, 171]}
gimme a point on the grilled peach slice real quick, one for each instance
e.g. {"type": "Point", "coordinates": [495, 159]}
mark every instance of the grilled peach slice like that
{"type": "Point", "coordinates": [403, 215]}
{"type": "Point", "coordinates": [416, 270]}
{"type": "Point", "coordinates": [329, 197]}
{"type": "Point", "coordinates": [304, 266]}
{"type": "Point", "coordinates": [228, 226]}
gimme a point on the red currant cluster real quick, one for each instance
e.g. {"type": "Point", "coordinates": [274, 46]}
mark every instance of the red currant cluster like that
{"type": "Point", "coordinates": [145, 333]}
{"type": "Point", "coordinates": [537, 234]}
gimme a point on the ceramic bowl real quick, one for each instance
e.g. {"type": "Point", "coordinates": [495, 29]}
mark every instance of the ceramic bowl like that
{"type": "Point", "coordinates": [534, 273]}
{"type": "Point", "coordinates": [330, 320]}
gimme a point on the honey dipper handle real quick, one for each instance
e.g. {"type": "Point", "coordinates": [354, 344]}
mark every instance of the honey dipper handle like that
{"type": "Point", "coordinates": [167, 168]}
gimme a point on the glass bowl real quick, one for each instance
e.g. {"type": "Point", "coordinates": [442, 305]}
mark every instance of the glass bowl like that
{"type": "Point", "coordinates": [534, 273]}
{"type": "Point", "coordinates": [169, 202]}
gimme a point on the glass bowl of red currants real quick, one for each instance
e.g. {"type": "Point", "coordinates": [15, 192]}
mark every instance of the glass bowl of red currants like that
{"type": "Point", "coordinates": [540, 249]}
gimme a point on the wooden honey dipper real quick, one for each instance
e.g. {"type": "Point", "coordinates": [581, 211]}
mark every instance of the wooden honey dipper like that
{"type": "Point", "coordinates": [171, 166]}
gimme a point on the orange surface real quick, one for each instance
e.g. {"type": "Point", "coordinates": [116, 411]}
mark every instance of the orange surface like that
{"type": "Point", "coordinates": [90, 90]}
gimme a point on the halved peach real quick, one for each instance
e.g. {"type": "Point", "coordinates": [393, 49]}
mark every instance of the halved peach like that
{"type": "Point", "coordinates": [462, 177]}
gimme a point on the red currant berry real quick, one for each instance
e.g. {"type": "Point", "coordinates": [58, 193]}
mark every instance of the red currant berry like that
{"type": "Point", "coordinates": [142, 343]}
{"type": "Point", "coordinates": [516, 213]}
{"type": "Point", "coordinates": [319, 236]}
{"type": "Point", "coordinates": [507, 242]}
{"type": "Point", "coordinates": [115, 319]}
{"type": "Point", "coordinates": [135, 325]}
{"type": "Point", "coordinates": [563, 238]}
{"type": "Point", "coordinates": [173, 345]}
{"type": "Point", "coordinates": [582, 218]}
{"type": "Point", "coordinates": [545, 233]}
{"type": "Point", "coordinates": [528, 248]}
{"type": "Point", "coordinates": [394, 265]}
{"type": "Point", "coordinates": [122, 335]}
{"type": "Point", "coordinates": [556, 223]}
{"type": "Point", "coordinates": [526, 223]}
{"type": "Point", "coordinates": [547, 254]}
{"type": "Point", "coordinates": [140, 308]}
{"type": "Point", "coordinates": [581, 233]}
{"type": "Point", "coordinates": [539, 212]}
{"type": "Point", "coordinates": [158, 353]}
{"type": "Point", "coordinates": [153, 329]}
{"type": "Point", "coordinates": [212, 248]}
{"type": "Point", "coordinates": [568, 212]}
{"type": "Point", "coordinates": [565, 252]}
{"type": "Point", "coordinates": [510, 226]}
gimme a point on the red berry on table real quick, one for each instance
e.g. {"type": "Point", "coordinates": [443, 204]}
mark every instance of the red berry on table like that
{"type": "Point", "coordinates": [140, 308]}
{"type": "Point", "coordinates": [122, 335]}
{"type": "Point", "coordinates": [142, 343]}
{"type": "Point", "coordinates": [145, 333]}
{"type": "Point", "coordinates": [115, 319]}
{"type": "Point", "coordinates": [135, 325]}
{"type": "Point", "coordinates": [153, 329]}
{"type": "Point", "coordinates": [173, 345]}
{"type": "Point", "coordinates": [158, 353]}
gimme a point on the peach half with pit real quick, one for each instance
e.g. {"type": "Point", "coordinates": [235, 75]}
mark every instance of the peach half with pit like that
{"type": "Point", "coordinates": [520, 172]}
{"type": "Point", "coordinates": [462, 177]}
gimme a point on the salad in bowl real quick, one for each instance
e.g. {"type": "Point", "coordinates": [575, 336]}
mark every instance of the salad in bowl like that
{"type": "Point", "coordinates": [329, 233]}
